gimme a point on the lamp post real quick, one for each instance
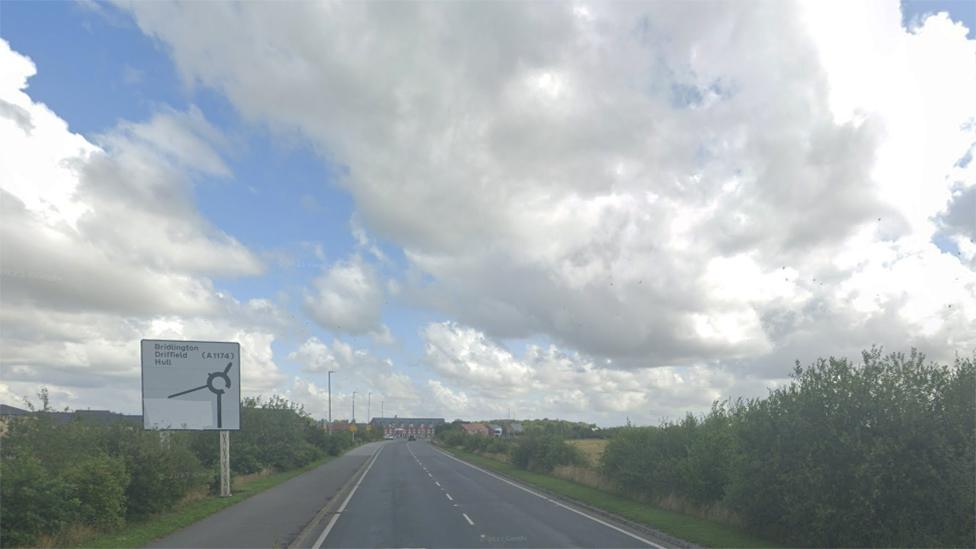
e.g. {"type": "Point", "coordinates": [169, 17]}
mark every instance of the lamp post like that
{"type": "Point", "coordinates": [354, 415]}
{"type": "Point", "coordinates": [369, 402]}
{"type": "Point", "coordinates": [330, 400]}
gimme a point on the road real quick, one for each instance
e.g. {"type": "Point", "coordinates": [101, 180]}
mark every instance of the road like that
{"type": "Point", "coordinates": [276, 517]}
{"type": "Point", "coordinates": [414, 495]}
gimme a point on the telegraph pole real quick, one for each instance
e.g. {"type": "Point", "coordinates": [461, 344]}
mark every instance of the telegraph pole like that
{"type": "Point", "coordinates": [330, 400]}
{"type": "Point", "coordinates": [354, 415]}
{"type": "Point", "coordinates": [369, 402]}
{"type": "Point", "coordinates": [381, 408]}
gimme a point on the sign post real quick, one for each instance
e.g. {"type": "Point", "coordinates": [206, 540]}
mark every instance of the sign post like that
{"type": "Point", "coordinates": [225, 464]}
{"type": "Point", "coordinates": [193, 386]}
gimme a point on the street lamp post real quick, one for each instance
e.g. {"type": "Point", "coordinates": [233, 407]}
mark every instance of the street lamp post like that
{"type": "Point", "coordinates": [354, 415]}
{"type": "Point", "coordinates": [369, 402]}
{"type": "Point", "coordinates": [330, 400]}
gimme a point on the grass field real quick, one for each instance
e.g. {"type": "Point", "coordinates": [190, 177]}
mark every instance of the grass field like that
{"type": "Point", "coordinates": [137, 534]}
{"type": "Point", "coordinates": [692, 529]}
{"type": "Point", "coordinates": [591, 449]}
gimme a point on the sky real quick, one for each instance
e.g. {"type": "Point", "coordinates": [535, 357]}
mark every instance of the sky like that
{"type": "Point", "coordinates": [602, 212]}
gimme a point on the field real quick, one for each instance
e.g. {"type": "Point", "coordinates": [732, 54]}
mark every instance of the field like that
{"type": "Point", "coordinates": [591, 449]}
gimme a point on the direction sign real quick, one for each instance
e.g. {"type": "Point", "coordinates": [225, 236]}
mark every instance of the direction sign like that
{"type": "Point", "coordinates": [193, 385]}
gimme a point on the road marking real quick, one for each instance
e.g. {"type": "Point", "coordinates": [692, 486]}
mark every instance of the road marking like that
{"type": "Point", "coordinates": [564, 506]}
{"type": "Point", "coordinates": [335, 517]}
{"type": "Point", "coordinates": [448, 496]}
{"type": "Point", "coordinates": [467, 518]}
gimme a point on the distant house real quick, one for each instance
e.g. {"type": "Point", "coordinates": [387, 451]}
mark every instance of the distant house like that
{"type": "Point", "coordinates": [405, 427]}
{"type": "Point", "coordinates": [476, 429]}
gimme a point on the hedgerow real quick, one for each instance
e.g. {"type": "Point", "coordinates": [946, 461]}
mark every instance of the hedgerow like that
{"type": "Point", "coordinates": [877, 454]}
{"type": "Point", "coordinates": [58, 475]}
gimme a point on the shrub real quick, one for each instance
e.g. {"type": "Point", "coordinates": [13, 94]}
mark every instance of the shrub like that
{"type": "Point", "coordinates": [34, 502]}
{"type": "Point", "coordinates": [99, 483]}
{"type": "Point", "coordinates": [159, 475]}
{"type": "Point", "coordinates": [55, 475]}
{"type": "Point", "coordinates": [543, 452]}
{"type": "Point", "coordinates": [338, 442]}
{"type": "Point", "coordinates": [878, 454]}
{"type": "Point", "coordinates": [874, 455]}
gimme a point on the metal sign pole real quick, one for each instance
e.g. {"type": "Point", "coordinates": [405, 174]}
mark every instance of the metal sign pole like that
{"type": "Point", "coordinates": [225, 464]}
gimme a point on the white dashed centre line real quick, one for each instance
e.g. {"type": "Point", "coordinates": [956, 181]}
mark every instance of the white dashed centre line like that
{"type": "Point", "coordinates": [467, 518]}
{"type": "Point", "coordinates": [448, 496]}
{"type": "Point", "coordinates": [564, 506]}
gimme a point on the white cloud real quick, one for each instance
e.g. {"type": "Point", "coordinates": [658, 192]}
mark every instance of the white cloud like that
{"type": "Point", "coordinates": [355, 369]}
{"type": "Point", "coordinates": [314, 356]}
{"type": "Point", "coordinates": [484, 379]}
{"type": "Point", "coordinates": [348, 297]}
{"type": "Point", "coordinates": [618, 177]}
{"type": "Point", "coordinates": [102, 246]}
{"type": "Point", "coordinates": [185, 139]}
{"type": "Point", "coordinates": [92, 359]}
{"type": "Point", "coordinates": [106, 229]}
{"type": "Point", "coordinates": [655, 184]}
{"type": "Point", "coordinates": [463, 353]}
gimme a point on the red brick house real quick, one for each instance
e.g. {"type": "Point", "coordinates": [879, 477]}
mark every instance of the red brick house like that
{"type": "Point", "coordinates": [476, 429]}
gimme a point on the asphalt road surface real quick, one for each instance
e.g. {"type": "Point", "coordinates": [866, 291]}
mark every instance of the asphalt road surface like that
{"type": "Point", "coordinates": [273, 518]}
{"type": "Point", "coordinates": [413, 495]}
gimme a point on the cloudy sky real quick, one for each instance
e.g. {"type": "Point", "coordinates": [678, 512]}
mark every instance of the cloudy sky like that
{"type": "Point", "coordinates": [594, 211]}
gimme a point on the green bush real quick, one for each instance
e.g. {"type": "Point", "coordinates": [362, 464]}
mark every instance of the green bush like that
{"type": "Point", "coordinates": [99, 483]}
{"type": "Point", "coordinates": [160, 475]}
{"type": "Point", "coordinates": [337, 442]}
{"type": "Point", "coordinates": [55, 474]}
{"type": "Point", "coordinates": [689, 458]}
{"type": "Point", "coordinates": [455, 438]}
{"type": "Point", "coordinates": [34, 502]}
{"type": "Point", "coordinates": [562, 429]}
{"type": "Point", "coordinates": [543, 452]}
{"type": "Point", "coordinates": [881, 454]}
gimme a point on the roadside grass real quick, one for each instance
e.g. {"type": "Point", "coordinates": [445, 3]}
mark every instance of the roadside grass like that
{"type": "Point", "coordinates": [140, 533]}
{"type": "Point", "coordinates": [688, 528]}
{"type": "Point", "coordinates": [591, 449]}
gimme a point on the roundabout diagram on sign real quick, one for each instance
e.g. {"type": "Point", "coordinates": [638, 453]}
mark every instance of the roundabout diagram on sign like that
{"type": "Point", "coordinates": [217, 383]}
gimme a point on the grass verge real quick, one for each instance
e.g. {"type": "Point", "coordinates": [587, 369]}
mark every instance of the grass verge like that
{"type": "Point", "coordinates": [140, 533]}
{"type": "Point", "coordinates": [688, 528]}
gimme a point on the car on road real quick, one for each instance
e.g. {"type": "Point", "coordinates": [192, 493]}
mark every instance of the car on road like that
{"type": "Point", "coordinates": [412, 438]}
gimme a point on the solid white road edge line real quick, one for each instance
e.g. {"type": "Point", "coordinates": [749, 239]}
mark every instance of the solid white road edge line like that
{"type": "Point", "coordinates": [564, 506]}
{"type": "Point", "coordinates": [335, 517]}
{"type": "Point", "coordinates": [467, 518]}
